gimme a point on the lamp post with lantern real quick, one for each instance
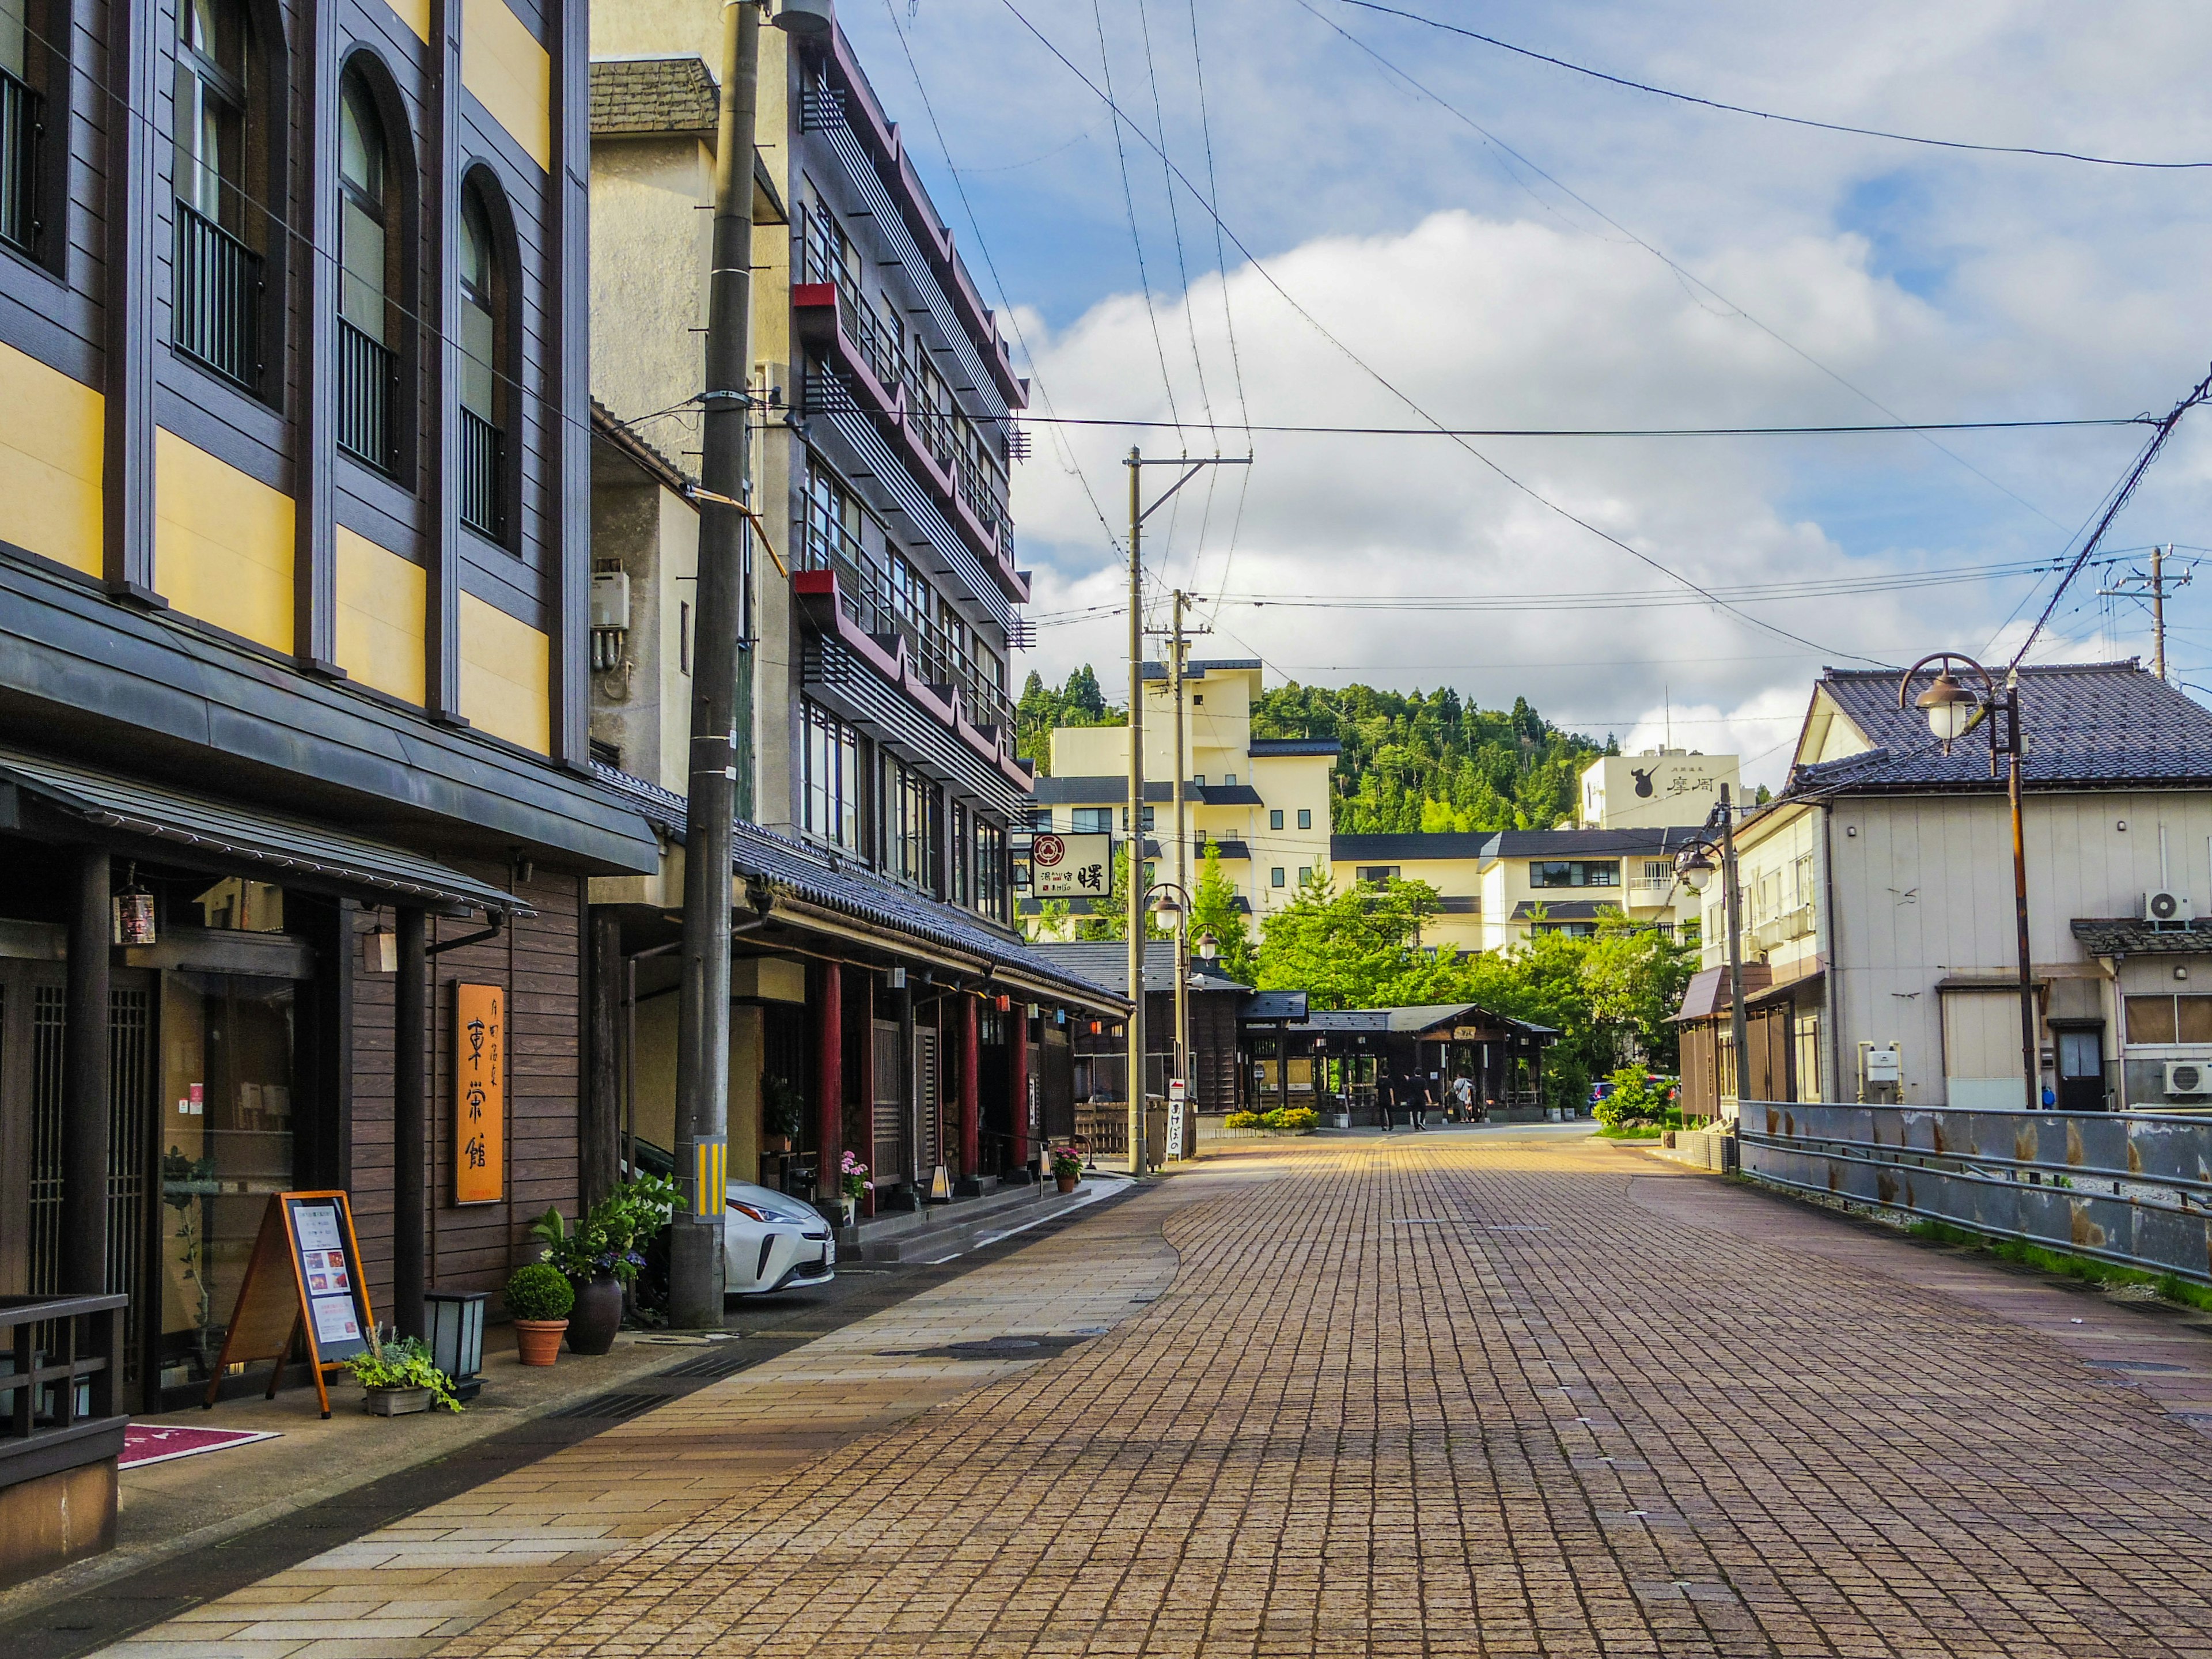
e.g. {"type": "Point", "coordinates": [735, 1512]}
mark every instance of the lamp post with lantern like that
{"type": "Point", "coordinates": [1171, 903]}
{"type": "Point", "coordinates": [1954, 710]}
{"type": "Point", "coordinates": [1694, 866]}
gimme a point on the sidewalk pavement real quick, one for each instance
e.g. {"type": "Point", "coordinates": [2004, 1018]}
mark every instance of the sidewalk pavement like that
{"type": "Point", "coordinates": [1504, 1393]}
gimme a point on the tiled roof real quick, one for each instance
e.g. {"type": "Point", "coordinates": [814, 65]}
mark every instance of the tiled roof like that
{"type": "Point", "coordinates": [855, 891]}
{"type": "Point", "coordinates": [2123, 936]}
{"type": "Point", "coordinates": [1276, 748]}
{"type": "Point", "coordinates": [1565, 909]}
{"type": "Point", "coordinates": [1389, 849]}
{"type": "Point", "coordinates": [1106, 963]}
{"type": "Point", "coordinates": [1584, 843]}
{"type": "Point", "coordinates": [642, 96]}
{"type": "Point", "coordinates": [1197, 667]}
{"type": "Point", "coordinates": [1081, 791]}
{"type": "Point", "coordinates": [1425, 1017]}
{"type": "Point", "coordinates": [2088, 725]}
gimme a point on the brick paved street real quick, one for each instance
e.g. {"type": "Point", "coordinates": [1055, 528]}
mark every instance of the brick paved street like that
{"type": "Point", "coordinates": [1468, 1394]}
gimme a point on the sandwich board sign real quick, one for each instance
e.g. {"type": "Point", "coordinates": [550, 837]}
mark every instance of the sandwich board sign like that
{"type": "Point", "coordinates": [302, 1279]}
{"type": "Point", "coordinates": [1071, 866]}
{"type": "Point", "coordinates": [1178, 1095]}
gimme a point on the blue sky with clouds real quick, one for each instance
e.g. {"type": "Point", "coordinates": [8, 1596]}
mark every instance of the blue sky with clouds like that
{"type": "Point", "coordinates": [1520, 274]}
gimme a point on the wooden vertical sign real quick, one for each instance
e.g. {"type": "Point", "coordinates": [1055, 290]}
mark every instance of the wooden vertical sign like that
{"type": "Point", "coordinates": [479, 1094]}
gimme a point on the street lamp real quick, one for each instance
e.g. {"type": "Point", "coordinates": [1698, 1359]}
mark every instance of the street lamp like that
{"type": "Point", "coordinates": [1952, 710]}
{"type": "Point", "coordinates": [1694, 867]}
{"type": "Point", "coordinates": [1209, 948]}
{"type": "Point", "coordinates": [1171, 903]}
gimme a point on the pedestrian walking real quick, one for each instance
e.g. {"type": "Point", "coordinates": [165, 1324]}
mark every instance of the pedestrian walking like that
{"type": "Point", "coordinates": [1418, 1099]}
{"type": "Point", "coordinates": [1463, 1098]}
{"type": "Point", "coordinates": [1386, 1095]}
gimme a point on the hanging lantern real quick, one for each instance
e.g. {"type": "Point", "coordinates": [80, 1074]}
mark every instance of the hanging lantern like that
{"type": "Point", "coordinates": [134, 914]}
{"type": "Point", "coordinates": [1005, 1003]}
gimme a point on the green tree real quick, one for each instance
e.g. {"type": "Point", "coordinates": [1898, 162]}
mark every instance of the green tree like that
{"type": "Point", "coordinates": [1356, 948]}
{"type": "Point", "coordinates": [1109, 916]}
{"type": "Point", "coordinates": [1041, 708]}
{"type": "Point", "coordinates": [1213, 910]}
{"type": "Point", "coordinates": [1635, 977]}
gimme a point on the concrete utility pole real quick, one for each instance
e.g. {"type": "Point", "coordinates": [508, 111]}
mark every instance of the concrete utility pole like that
{"type": "Point", "coordinates": [1738, 1031]}
{"type": "Point", "coordinates": [2134, 584]}
{"type": "Point", "coordinates": [1181, 856]}
{"type": "Point", "coordinates": [722, 770]}
{"type": "Point", "coordinates": [1136, 826]}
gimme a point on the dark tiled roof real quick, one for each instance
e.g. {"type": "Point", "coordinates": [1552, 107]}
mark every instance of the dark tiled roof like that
{"type": "Point", "coordinates": [1196, 667]}
{"type": "Point", "coordinates": [1267, 748]}
{"type": "Point", "coordinates": [1565, 909]}
{"type": "Point", "coordinates": [1232, 794]}
{"type": "Point", "coordinates": [2088, 725]}
{"type": "Point", "coordinates": [1106, 962]}
{"type": "Point", "coordinates": [856, 892]}
{"type": "Point", "coordinates": [1081, 792]}
{"type": "Point", "coordinates": [1390, 849]}
{"type": "Point", "coordinates": [1406, 1021]}
{"type": "Point", "coordinates": [639, 95]}
{"type": "Point", "coordinates": [2123, 936]}
{"type": "Point", "coordinates": [1584, 843]}
{"type": "Point", "coordinates": [1275, 1004]}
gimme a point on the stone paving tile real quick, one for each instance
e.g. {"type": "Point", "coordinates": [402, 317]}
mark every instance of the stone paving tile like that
{"type": "Point", "coordinates": [1577, 1409]}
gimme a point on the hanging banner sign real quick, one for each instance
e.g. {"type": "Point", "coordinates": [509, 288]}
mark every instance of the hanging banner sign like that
{"type": "Point", "coordinates": [479, 1094]}
{"type": "Point", "coordinates": [1071, 866]}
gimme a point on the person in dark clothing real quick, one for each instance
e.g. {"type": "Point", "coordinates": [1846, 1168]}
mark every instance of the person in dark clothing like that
{"type": "Point", "coordinates": [1386, 1095]}
{"type": "Point", "coordinates": [1418, 1100]}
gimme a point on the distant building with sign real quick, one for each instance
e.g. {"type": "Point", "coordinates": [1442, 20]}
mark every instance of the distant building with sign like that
{"type": "Point", "coordinates": [1659, 788]}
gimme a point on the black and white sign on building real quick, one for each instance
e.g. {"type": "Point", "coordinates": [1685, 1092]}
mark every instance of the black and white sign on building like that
{"type": "Point", "coordinates": [1071, 866]}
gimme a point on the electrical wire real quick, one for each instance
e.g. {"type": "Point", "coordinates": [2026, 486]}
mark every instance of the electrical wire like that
{"type": "Point", "coordinates": [1630, 432]}
{"type": "Point", "coordinates": [1174, 220]}
{"type": "Point", "coordinates": [1772, 115]}
{"type": "Point", "coordinates": [1130, 203]}
{"type": "Point", "coordinates": [1228, 312]}
{"type": "Point", "coordinates": [1406, 399]}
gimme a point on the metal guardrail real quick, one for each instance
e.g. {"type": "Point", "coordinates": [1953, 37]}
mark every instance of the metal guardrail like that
{"type": "Point", "coordinates": [2134, 1189]}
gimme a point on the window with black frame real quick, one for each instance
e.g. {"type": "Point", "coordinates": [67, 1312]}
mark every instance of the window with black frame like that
{"type": "Point", "coordinates": [833, 779]}
{"type": "Point", "coordinates": [1574, 872]}
{"type": "Point", "coordinates": [991, 881]}
{"type": "Point", "coordinates": [21, 115]}
{"type": "Point", "coordinates": [913, 824]}
{"type": "Point", "coordinates": [484, 384]}
{"type": "Point", "coordinates": [216, 300]}
{"type": "Point", "coordinates": [963, 884]}
{"type": "Point", "coordinates": [367, 365]}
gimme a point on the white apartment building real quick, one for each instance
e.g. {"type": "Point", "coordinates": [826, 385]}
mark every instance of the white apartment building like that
{"type": "Point", "coordinates": [1265, 801]}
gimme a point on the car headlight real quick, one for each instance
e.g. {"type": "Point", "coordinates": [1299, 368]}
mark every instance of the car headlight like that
{"type": "Point", "coordinates": [751, 1213]}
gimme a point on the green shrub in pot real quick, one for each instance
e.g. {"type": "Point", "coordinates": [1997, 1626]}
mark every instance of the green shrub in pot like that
{"type": "Point", "coordinates": [539, 1291]}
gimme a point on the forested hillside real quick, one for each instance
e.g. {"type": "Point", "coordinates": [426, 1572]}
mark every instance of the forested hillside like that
{"type": "Point", "coordinates": [1418, 761]}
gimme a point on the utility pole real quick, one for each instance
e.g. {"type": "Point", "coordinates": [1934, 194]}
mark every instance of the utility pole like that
{"type": "Point", "coordinates": [1182, 855]}
{"type": "Point", "coordinates": [1739, 1033]}
{"type": "Point", "coordinates": [721, 768]}
{"type": "Point", "coordinates": [1136, 826]}
{"type": "Point", "coordinates": [1138, 514]}
{"type": "Point", "coordinates": [2154, 582]}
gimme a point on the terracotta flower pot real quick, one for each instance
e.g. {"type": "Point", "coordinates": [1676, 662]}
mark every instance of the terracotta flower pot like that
{"type": "Point", "coordinates": [597, 1315]}
{"type": "Point", "coordinates": [538, 1341]}
{"type": "Point", "coordinates": [1066, 1183]}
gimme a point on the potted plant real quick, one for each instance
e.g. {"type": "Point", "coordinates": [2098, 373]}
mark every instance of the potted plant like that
{"type": "Point", "coordinates": [781, 1106]}
{"type": "Point", "coordinates": [400, 1377]}
{"type": "Point", "coordinates": [1067, 1168]}
{"type": "Point", "coordinates": [851, 1183]}
{"type": "Point", "coordinates": [538, 1297]}
{"type": "Point", "coordinates": [603, 1252]}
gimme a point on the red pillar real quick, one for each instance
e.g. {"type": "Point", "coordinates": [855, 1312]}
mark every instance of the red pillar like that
{"type": "Point", "coordinates": [830, 1076]}
{"type": "Point", "coordinates": [1017, 1081]}
{"type": "Point", "coordinates": [863, 1017]}
{"type": "Point", "coordinates": [971, 1123]}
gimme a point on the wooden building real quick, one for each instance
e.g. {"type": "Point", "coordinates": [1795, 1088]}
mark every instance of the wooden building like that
{"type": "Point", "coordinates": [294, 438]}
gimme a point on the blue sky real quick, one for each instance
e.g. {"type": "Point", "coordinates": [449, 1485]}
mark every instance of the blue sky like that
{"type": "Point", "coordinates": [1814, 277]}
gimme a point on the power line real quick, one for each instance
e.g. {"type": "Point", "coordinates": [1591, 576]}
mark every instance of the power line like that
{"type": "Point", "coordinates": [1772, 115]}
{"type": "Point", "coordinates": [1682, 273]}
{"type": "Point", "coordinates": [1623, 432]}
{"type": "Point", "coordinates": [1381, 379]}
{"type": "Point", "coordinates": [1129, 201]}
{"type": "Point", "coordinates": [1228, 312]}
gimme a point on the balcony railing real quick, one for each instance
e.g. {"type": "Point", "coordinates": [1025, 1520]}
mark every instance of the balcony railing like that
{"type": "Point", "coordinates": [484, 448]}
{"type": "Point", "coordinates": [368, 392]}
{"type": "Point", "coordinates": [21, 118]}
{"type": "Point", "coordinates": [217, 300]}
{"type": "Point", "coordinates": [60, 1376]}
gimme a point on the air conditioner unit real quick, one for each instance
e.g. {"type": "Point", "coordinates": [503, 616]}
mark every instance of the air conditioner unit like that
{"type": "Point", "coordinates": [2168, 907]}
{"type": "Point", "coordinates": [2188, 1077]}
{"type": "Point", "coordinates": [610, 598]}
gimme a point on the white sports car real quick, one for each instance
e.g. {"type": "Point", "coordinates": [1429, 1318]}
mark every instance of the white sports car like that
{"type": "Point", "coordinates": [773, 1241]}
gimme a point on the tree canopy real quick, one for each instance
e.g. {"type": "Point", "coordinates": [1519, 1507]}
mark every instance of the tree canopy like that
{"type": "Point", "coordinates": [1041, 708]}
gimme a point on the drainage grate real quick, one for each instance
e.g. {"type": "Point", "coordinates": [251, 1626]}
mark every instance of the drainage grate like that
{"type": "Point", "coordinates": [612, 1407]}
{"type": "Point", "coordinates": [2136, 1365]}
{"type": "Point", "coordinates": [710, 1366]}
{"type": "Point", "coordinates": [999, 1347]}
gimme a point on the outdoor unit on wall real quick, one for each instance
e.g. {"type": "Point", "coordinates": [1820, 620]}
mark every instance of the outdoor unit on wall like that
{"type": "Point", "coordinates": [2188, 1077]}
{"type": "Point", "coordinates": [2163, 906]}
{"type": "Point", "coordinates": [609, 613]}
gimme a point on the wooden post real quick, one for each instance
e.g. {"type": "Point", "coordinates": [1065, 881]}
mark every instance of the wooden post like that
{"type": "Point", "coordinates": [830, 1077]}
{"type": "Point", "coordinates": [1018, 1085]}
{"type": "Point", "coordinates": [409, 1077]}
{"type": "Point", "coordinates": [596, 1126]}
{"type": "Point", "coordinates": [970, 1105]}
{"type": "Point", "coordinates": [85, 1082]}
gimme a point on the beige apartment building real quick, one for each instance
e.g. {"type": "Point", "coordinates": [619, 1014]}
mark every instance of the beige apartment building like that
{"type": "Point", "coordinates": [1264, 801]}
{"type": "Point", "coordinates": [1877, 915]}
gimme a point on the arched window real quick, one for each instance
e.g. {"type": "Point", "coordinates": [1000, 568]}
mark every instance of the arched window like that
{"type": "Point", "coordinates": [219, 278]}
{"type": "Point", "coordinates": [487, 379]}
{"type": "Point", "coordinates": [369, 368]}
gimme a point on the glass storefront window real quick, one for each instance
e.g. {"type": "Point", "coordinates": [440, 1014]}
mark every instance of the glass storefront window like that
{"type": "Point", "coordinates": [243, 907]}
{"type": "Point", "coordinates": [227, 1139]}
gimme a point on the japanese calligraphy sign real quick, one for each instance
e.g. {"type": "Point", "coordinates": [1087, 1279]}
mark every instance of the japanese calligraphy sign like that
{"type": "Point", "coordinates": [1071, 866]}
{"type": "Point", "coordinates": [479, 1094]}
